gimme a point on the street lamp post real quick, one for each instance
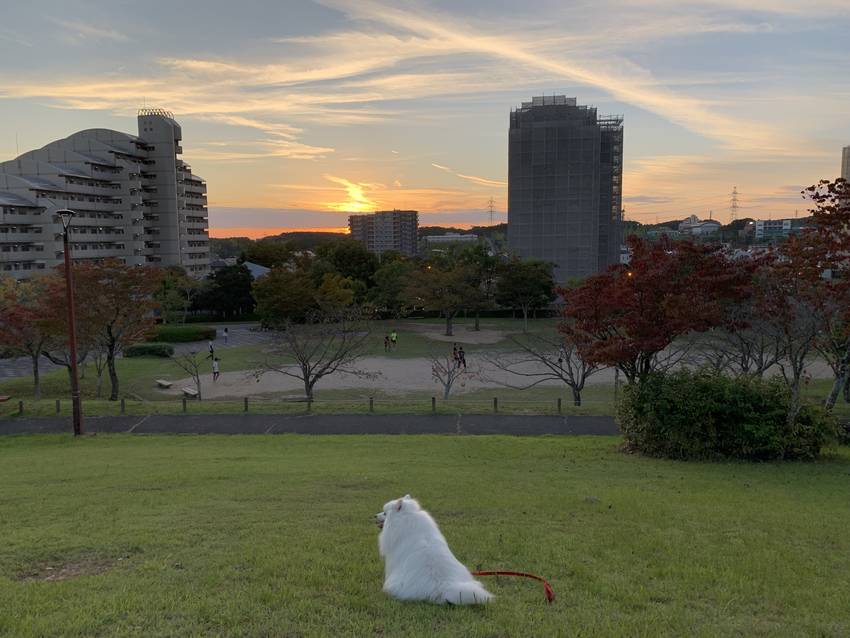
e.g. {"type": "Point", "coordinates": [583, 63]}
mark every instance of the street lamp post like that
{"type": "Point", "coordinates": [77, 410]}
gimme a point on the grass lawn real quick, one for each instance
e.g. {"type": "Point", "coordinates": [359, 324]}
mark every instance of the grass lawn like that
{"type": "Point", "coordinates": [273, 536]}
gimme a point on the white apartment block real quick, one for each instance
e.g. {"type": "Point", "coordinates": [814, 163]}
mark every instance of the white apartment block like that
{"type": "Point", "coordinates": [133, 196]}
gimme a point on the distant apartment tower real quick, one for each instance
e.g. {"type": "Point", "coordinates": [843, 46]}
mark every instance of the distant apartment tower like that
{"type": "Point", "coordinates": [387, 230]}
{"type": "Point", "coordinates": [133, 196]}
{"type": "Point", "coordinates": [845, 163]}
{"type": "Point", "coordinates": [565, 170]}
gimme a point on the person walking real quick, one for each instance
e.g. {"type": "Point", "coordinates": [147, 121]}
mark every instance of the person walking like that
{"type": "Point", "coordinates": [394, 339]}
{"type": "Point", "coordinates": [211, 355]}
{"type": "Point", "coordinates": [461, 355]}
{"type": "Point", "coordinates": [454, 354]}
{"type": "Point", "coordinates": [226, 335]}
{"type": "Point", "coordinates": [386, 343]}
{"type": "Point", "coordinates": [215, 369]}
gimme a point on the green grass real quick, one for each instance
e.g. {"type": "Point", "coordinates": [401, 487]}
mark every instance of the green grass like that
{"type": "Point", "coordinates": [272, 536]}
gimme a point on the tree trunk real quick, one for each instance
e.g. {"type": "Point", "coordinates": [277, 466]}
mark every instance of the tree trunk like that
{"type": "Point", "coordinates": [99, 386]}
{"type": "Point", "coordinates": [449, 332]}
{"type": "Point", "coordinates": [198, 384]}
{"type": "Point", "coordinates": [477, 321]}
{"type": "Point", "coordinates": [576, 396]}
{"type": "Point", "coordinates": [525, 318]}
{"type": "Point", "coordinates": [113, 376]}
{"type": "Point", "coordinates": [35, 378]}
{"type": "Point", "coordinates": [308, 389]}
{"type": "Point", "coordinates": [842, 378]}
{"type": "Point", "coordinates": [847, 391]}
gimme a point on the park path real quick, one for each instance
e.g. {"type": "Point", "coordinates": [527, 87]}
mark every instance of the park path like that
{"type": "Point", "coordinates": [322, 424]}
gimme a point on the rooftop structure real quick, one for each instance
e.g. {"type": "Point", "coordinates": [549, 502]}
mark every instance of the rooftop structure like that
{"type": "Point", "coordinates": [565, 167]}
{"type": "Point", "coordinates": [693, 225]}
{"type": "Point", "coordinates": [133, 196]}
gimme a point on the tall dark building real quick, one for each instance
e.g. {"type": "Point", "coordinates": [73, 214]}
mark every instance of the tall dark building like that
{"type": "Point", "coordinates": [565, 171]}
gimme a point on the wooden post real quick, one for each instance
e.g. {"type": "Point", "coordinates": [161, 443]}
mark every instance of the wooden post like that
{"type": "Point", "coordinates": [184, 404]}
{"type": "Point", "coordinates": [495, 404]}
{"type": "Point", "coordinates": [559, 405]}
{"type": "Point", "coordinates": [309, 404]}
{"type": "Point", "coordinates": [371, 404]}
{"type": "Point", "coordinates": [123, 406]}
{"type": "Point", "coordinates": [433, 404]}
{"type": "Point", "coordinates": [245, 404]}
{"type": "Point", "coordinates": [58, 406]}
{"type": "Point", "coordinates": [20, 407]}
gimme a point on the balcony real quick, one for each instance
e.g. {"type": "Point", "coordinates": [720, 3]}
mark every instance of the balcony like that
{"type": "Point", "coordinates": [23, 236]}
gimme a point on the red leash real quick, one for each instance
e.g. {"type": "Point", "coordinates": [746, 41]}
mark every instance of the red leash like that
{"type": "Point", "coordinates": [547, 588]}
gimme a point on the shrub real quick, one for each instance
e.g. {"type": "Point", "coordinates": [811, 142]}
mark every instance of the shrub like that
{"type": "Point", "coordinates": [183, 333]}
{"type": "Point", "coordinates": [149, 350]}
{"type": "Point", "coordinates": [703, 415]}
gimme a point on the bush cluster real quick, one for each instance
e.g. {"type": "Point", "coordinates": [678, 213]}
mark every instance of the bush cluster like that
{"type": "Point", "coordinates": [182, 334]}
{"type": "Point", "coordinates": [704, 415]}
{"type": "Point", "coordinates": [149, 350]}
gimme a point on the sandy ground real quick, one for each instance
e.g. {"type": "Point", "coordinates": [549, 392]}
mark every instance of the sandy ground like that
{"type": "Point", "coordinates": [391, 376]}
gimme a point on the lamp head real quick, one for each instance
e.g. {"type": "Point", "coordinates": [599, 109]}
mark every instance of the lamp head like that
{"type": "Point", "coordinates": [65, 214]}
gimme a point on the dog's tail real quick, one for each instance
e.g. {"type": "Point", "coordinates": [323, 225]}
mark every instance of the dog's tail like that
{"type": "Point", "coordinates": [469, 592]}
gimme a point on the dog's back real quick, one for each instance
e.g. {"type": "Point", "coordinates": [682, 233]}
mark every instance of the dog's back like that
{"type": "Point", "coordinates": [419, 563]}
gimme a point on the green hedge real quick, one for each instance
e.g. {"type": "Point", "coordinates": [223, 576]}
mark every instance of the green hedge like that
{"type": "Point", "coordinates": [149, 350]}
{"type": "Point", "coordinates": [182, 333]}
{"type": "Point", "coordinates": [703, 415]}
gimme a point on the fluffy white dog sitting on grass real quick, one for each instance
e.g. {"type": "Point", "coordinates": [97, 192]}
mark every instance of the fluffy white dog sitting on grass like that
{"type": "Point", "coordinates": [418, 562]}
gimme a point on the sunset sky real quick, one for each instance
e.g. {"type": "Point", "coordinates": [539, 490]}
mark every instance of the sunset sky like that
{"type": "Point", "coordinates": [298, 112]}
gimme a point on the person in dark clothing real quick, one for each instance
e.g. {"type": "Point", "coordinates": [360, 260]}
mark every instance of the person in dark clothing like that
{"type": "Point", "coordinates": [461, 355]}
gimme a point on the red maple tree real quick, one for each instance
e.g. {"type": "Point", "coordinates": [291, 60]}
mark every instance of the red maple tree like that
{"type": "Point", "coordinates": [632, 315]}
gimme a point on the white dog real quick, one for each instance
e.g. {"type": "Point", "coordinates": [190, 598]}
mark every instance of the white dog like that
{"type": "Point", "coordinates": [418, 562]}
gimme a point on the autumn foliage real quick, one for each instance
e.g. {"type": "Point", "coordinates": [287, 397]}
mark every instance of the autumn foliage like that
{"type": "Point", "coordinates": [629, 316]}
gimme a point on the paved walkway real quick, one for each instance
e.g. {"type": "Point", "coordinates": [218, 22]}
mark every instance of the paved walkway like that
{"type": "Point", "coordinates": [321, 424]}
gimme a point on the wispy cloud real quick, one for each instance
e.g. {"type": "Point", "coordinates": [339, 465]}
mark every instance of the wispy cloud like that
{"type": "Point", "coordinates": [80, 31]}
{"type": "Point", "coordinates": [482, 181]}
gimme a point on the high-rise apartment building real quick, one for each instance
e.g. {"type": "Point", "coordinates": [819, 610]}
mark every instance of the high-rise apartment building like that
{"type": "Point", "coordinates": [133, 196]}
{"type": "Point", "coordinates": [565, 170]}
{"type": "Point", "coordinates": [845, 163]}
{"type": "Point", "coordinates": [387, 230]}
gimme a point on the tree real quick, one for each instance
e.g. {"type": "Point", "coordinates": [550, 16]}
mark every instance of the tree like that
{"type": "Point", "coordinates": [323, 345]}
{"type": "Point", "coordinates": [445, 370]}
{"type": "Point", "coordinates": [21, 330]}
{"type": "Point", "coordinates": [227, 292]}
{"type": "Point", "coordinates": [822, 249]}
{"type": "Point", "coordinates": [350, 258]}
{"type": "Point", "coordinates": [122, 300]}
{"type": "Point", "coordinates": [441, 286]}
{"type": "Point", "coordinates": [283, 297]}
{"type": "Point", "coordinates": [539, 359]}
{"type": "Point", "coordinates": [269, 253]}
{"type": "Point", "coordinates": [176, 293]}
{"type": "Point", "coordinates": [526, 285]}
{"type": "Point", "coordinates": [483, 267]}
{"type": "Point", "coordinates": [631, 316]}
{"type": "Point", "coordinates": [335, 293]}
{"type": "Point", "coordinates": [191, 363]}
{"type": "Point", "coordinates": [390, 281]}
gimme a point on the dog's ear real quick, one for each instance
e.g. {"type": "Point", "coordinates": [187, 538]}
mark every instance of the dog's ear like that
{"type": "Point", "coordinates": [399, 504]}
